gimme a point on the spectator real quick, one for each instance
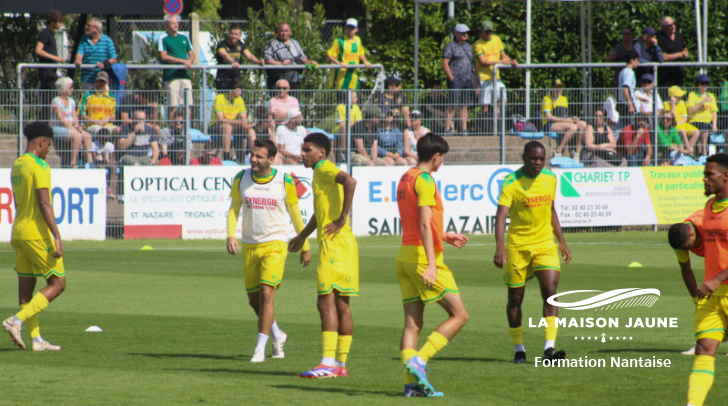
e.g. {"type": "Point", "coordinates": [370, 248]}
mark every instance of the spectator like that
{"type": "Point", "coordinates": [434, 109]}
{"type": "Point", "coordinates": [555, 118]}
{"type": "Point", "coordinates": [619, 51]}
{"type": "Point", "coordinates": [703, 111]}
{"type": "Point", "coordinates": [457, 62]}
{"type": "Point", "coordinates": [94, 48]}
{"type": "Point", "coordinates": [290, 137]}
{"type": "Point", "coordinates": [679, 111]}
{"type": "Point", "coordinates": [140, 145]}
{"type": "Point", "coordinates": [282, 103]}
{"type": "Point", "coordinates": [648, 50]}
{"type": "Point", "coordinates": [625, 86]}
{"type": "Point", "coordinates": [341, 111]}
{"type": "Point", "coordinates": [364, 135]}
{"type": "Point", "coordinates": [673, 50]}
{"type": "Point", "coordinates": [394, 100]}
{"type": "Point", "coordinates": [139, 100]}
{"type": "Point", "coordinates": [390, 145]}
{"type": "Point", "coordinates": [103, 151]}
{"type": "Point", "coordinates": [65, 121]}
{"type": "Point", "coordinates": [229, 118]}
{"type": "Point", "coordinates": [411, 136]}
{"type": "Point", "coordinates": [644, 100]}
{"type": "Point", "coordinates": [173, 141]}
{"type": "Point", "coordinates": [347, 51]}
{"type": "Point", "coordinates": [261, 124]}
{"type": "Point", "coordinates": [489, 51]}
{"type": "Point", "coordinates": [284, 50]}
{"type": "Point", "coordinates": [230, 51]}
{"type": "Point", "coordinates": [208, 157]}
{"type": "Point", "coordinates": [98, 107]}
{"type": "Point", "coordinates": [45, 50]}
{"type": "Point", "coordinates": [176, 49]}
{"type": "Point", "coordinates": [723, 106]}
{"type": "Point", "coordinates": [600, 145]}
{"type": "Point", "coordinates": [634, 142]}
{"type": "Point", "coordinates": [669, 141]}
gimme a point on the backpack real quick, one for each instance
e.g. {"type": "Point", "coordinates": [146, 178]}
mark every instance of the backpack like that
{"type": "Point", "coordinates": [521, 125]}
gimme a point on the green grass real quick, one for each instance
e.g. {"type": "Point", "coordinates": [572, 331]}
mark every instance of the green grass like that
{"type": "Point", "coordinates": [178, 331]}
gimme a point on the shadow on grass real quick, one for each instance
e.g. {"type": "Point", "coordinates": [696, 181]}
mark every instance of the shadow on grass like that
{"type": "Point", "coordinates": [344, 391]}
{"type": "Point", "coordinates": [465, 359]}
{"type": "Point", "coordinates": [202, 356]}
{"type": "Point", "coordinates": [237, 371]}
{"type": "Point", "coordinates": [672, 350]}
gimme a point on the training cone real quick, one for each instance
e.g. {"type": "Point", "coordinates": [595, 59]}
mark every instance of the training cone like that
{"type": "Point", "coordinates": [147, 248]}
{"type": "Point", "coordinates": [94, 329]}
{"type": "Point", "coordinates": [632, 265]}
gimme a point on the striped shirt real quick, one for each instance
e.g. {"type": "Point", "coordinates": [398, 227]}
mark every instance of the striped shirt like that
{"type": "Point", "coordinates": [93, 54]}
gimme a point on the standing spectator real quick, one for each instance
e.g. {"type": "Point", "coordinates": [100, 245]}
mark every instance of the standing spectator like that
{"type": "Point", "coordinates": [347, 51]}
{"type": "Point", "coordinates": [625, 86]}
{"type": "Point", "coordinates": [65, 121]}
{"type": "Point", "coordinates": [555, 118]}
{"type": "Point", "coordinates": [673, 50]}
{"type": "Point", "coordinates": [600, 145]}
{"type": "Point", "coordinates": [228, 111]}
{"type": "Point", "coordinates": [173, 141]}
{"type": "Point", "coordinates": [284, 50]}
{"type": "Point", "coordinates": [679, 111]}
{"type": "Point", "coordinates": [208, 157]}
{"type": "Point", "coordinates": [230, 51]}
{"type": "Point", "coordinates": [457, 62]}
{"type": "Point", "coordinates": [394, 100]}
{"type": "Point", "coordinates": [434, 109]}
{"type": "Point", "coordinates": [669, 141]}
{"type": "Point", "coordinates": [703, 111]}
{"type": "Point", "coordinates": [94, 48]}
{"type": "Point", "coordinates": [98, 107]}
{"type": "Point", "coordinates": [648, 50]}
{"type": "Point", "coordinates": [618, 52]}
{"type": "Point", "coordinates": [364, 135]}
{"type": "Point", "coordinates": [489, 51]}
{"type": "Point", "coordinates": [140, 100]}
{"type": "Point", "coordinates": [140, 145]}
{"type": "Point", "coordinates": [634, 142]}
{"type": "Point", "coordinates": [644, 99]}
{"type": "Point", "coordinates": [411, 136]}
{"type": "Point", "coordinates": [390, 146]}
{"type": "Point", "coordinates": [282, 103]}
{"type": "Point", "coordinates": [175, 49]}
{"type": "Point", "coordinates": [45, 50]}
{"type": "Point", "coordinates": [290, 137]}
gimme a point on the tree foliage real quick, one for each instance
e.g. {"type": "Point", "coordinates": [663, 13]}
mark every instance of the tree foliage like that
{"type": "Point", "coordinates": [18, 34]}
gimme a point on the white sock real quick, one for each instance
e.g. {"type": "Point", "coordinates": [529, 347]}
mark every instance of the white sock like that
{"type": "Point", "coordinates": [340, 364]}
{"type": "Point", "coordinates": [276, 331]}
{"type": "Point", "coordinates": [262, 341]}
{"type": "Point", "coordinates": [328, 361]}
{"type": "Point", "coordinates": [38, 339]}
{"type": "Point", "coordinates": [17, 321]}
{"type": "Point", "coordinates": [519, 347]}
{"type": "Point", "coordinates": [549, 344]}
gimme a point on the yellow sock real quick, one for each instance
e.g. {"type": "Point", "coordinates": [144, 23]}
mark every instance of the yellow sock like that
{"type": "Point", "coordinates": [407, 354]}
{"type": "Point", "coordinates": [701, 379]}
{"type": "Point", "coordinates": [516, 335]}
{"type": "Point", "coordinates": [435, 343]}
{"type": "Point", "coordinates": [329, 339]}
{"type": "Point", "coordinates": [31, 323]}
{"type": "Point", "coordinates": [342, 349]}
{"type": "Point", "coordinates": [551, 330]}
{"type": "Point", "coordinates": [36, 305]}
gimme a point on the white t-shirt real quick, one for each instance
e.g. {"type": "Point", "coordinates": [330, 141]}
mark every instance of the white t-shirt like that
{"type": "Point", "coordinates": [413, 139]}
{"type": "Point", "coordinates": [100, 149]}
{"type": "Point", "coordinates": [610, 108]}
{"type": "Point", "coordinates": [291, 139]}
{"type": "Point", "coordinates": [643, 102]}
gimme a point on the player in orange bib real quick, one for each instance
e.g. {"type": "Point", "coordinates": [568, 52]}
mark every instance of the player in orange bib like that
{"type": "Point", "coordinates": [422, 274]}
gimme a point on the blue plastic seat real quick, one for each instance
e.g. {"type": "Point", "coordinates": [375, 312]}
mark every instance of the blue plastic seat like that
{"type": "Point", "coordinates": [717, 138]}
{"type": "Point", "coordinates": [565, 163]}
{"type": "Point", "coordinates": [229, 163]}
{"type": "Point", "coordinates": [528, 135]}
{"type": "Point", "coordinates": [319, 130]}
{"type": "Point", "coordinates": [197, 136]}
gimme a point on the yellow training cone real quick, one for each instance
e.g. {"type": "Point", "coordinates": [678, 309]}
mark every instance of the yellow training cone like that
{"type": "Point", "coordinates": [149, 248]}
{"type": "Point", "coordinates": [632, 265]}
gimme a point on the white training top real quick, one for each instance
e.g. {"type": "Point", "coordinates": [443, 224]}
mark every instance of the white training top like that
{"type": "Point", "coordinates": [265, 215]}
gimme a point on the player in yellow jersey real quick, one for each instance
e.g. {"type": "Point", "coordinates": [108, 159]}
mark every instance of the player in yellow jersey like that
{"type": "Point", "coordinates": [528, 197]}
{"type": "Point", "coordinates": [338, 268]}
{"type": "Point", "coordinates": [268, 199]}
{"type": "Point", "coordinates": [345, 51]}
{"type": "Point", "coordinates": [36, 240]}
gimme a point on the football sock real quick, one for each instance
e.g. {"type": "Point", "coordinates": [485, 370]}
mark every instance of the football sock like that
{"type": "Point", "coordinates": [276, 331]}
{"type": "Point", "coordinates": [262, 342]}
{"type": "Point", "coordinates": [701, 379]}
{"type": "Point", "coordinates": [548, 344]}
{"type": "Point", "coordinates": [32, 323]}
{"type": "Point", "coordinates": [407, 354]}
{"type": "Point", "coordinates": [36, 305]}
{"type": "Point", "coordinates": [342, 350]}
{"type": "Point", "coordinates": [435, 343]}
{"type": "Point", "coordinates": [38, 339]}
{"type": "Point", "coordinates": [517, 337]}
{"type": "Point", "coordinates": [550, 332]}
{"type": "Point", "coordinates": [329, 339]}
{"type": "Point", "coordinates": [519, 347]}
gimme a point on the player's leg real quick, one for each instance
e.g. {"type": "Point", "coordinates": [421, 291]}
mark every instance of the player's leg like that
{"type": "Point", "coordinates": [251, 274]}
{"type": "Point", "coordinates": [710, 325]}
{"type": "Point", "coordinates": [326, 305]}
{"type": "Point", "coordinates": [346, 332]}
{"type": "Point", "coordinates": [515, 273]}
{"type": "Point", "coordinates": [26, 288]}
{"type": "Point", "coordinates": [548, 280]}
{"type": "Point", "coordinates": [272, 266]}
{"type": "Point", "coordinates": [413, 322]}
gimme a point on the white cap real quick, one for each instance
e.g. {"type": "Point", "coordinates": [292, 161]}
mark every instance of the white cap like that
{"type": "Point", "coordinates": [352, 22]}
{"type": "Point", "coordinates": [292, 113]}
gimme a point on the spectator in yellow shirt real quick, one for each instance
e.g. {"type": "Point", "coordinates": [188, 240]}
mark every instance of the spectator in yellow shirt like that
{"type": "Point", "coordinates": [228, 117]}
{"type": "Point", "coordinates": [347, 51]}
{"type": "Point", "coordinates": [489, 51]}
{"type": "Point", "coordinates": [703, 111]}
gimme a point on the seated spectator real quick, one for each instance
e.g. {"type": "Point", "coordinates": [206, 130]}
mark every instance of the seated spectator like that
{"type": "Point", "coordinates": [65, 121]}
{"type": "Point", "coordinates": [282, 102]}
{"type": "Point", "coordinates": [208, 157]}
{"type": "Point", "coordinates": [669, 141]}
{"type": "Point", "coordinates": [679, 111]}
{"type": "Point", "coordinates": [140, 100]}
{"type": "Point", "coordinates": [703, 111]}
{"type": "Point", "coordinates": [290, 137]}
{"type": "Point", "coordinates": [600, 147]}
{"type": "Point", "coordinates": [620, 50]}
{"type": "Point", "coordinates": [103, 151]}
{"type": "Point", "coordinates": [555, 118]}
{"type": "Point", "coordinates": [261, 125]}
{"type": "Point", "coordinates": [394, 100]}
{"type": "Point", "coordinates": [364, 137]}
{"type": "Point", "coordinates": [173, 141]}
{"type": "Point", "coordinates": [139, 144]}
{"type": "Point", "coordinates": [98, 107]}
{"type": "Point", "coordinates": [434, 109]}
{"type": "Point", "coordinates": [390, 146]}
{"type": "Point", "coordinates": [94, 48]}
{"type": "Point", "coordinates": [230, 51]}
{"type": "Point", "coordinates": [648, 50]}
{"type": "Point", "coordinates": [634, 142]}
{"type": "Point", "coordinates": [412, 136]}
{"type": "Point", "coordinates": [644, 99]}
{"type": "Point", "coordinates": [341, 111]}
{"type": "Point", "coordinates": [228, 118]}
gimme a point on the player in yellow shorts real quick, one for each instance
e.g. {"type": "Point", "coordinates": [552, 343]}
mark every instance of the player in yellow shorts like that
{"type": "Point", "coordinates": [338, 269]}
{"type": "Point", "coordinates": [528, 197]}
{"type": "Point", "coordinates": [269, 200]}
{"type": "Point", "coordinates": [35, 239]}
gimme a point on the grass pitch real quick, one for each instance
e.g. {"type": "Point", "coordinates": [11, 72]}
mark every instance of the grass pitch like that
{"type": "Point", "coordinates": [178, 331]}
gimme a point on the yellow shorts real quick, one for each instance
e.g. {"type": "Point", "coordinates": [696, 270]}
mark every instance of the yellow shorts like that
{"type": "Point", "coordinates": [410, 282]}
{"type": "Point", "coordinates": [689, 128]}
{"type": "Point", "coordinates": [35, 258]}
{"type": "Point", "coordinates": [711, 316]}
{"type": "Point", "coordinates": [338, 266]}
{"type": "Point", "coordinates": [521, 265]}
{"type": "Point", "coordinates": [264, 263]}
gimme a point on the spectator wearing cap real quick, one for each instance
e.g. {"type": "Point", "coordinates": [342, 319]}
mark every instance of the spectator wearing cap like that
{"type": "Point", "coordinates": [626, 84]}
{"type": "Point", "coordinates": [98, 107]}
{"type": "Point", "coordinates": [284, 50]}
{"type": "Point", "coordinates": [679, 111]}
{"type": "Point", "coordinates": [394, 100]}
{"type": "Point", "coordinates": [176, 49]}
{"type": "Point", "coordinates": [703, 111]}
{"type": "Point", "coordinates": [618, 52]}
{"type": "Point", "coordinates": [46, 52]}
{"type": "Point", "coordinates": [282, 103]}
{"type": "Point", "coordinates": [644, 98]}
{"type": "Point", "coordinates": [489, 51]}
{"type": "Point", "coordinates": [673, 50]}
{"type": "Point", "coordinates": [344, 51]}
{"type": "Point", "coordinates": [411, 136]}
{"type": "Point", "coordinates": [231, 51]}
{"type": "Point", "coordinates": [457, 62]}
{"type": "Point", "coordinates": [229, 117]}
{"type": "Point", "coordinates": [289, 137]}
{"type": "Point", "coordinates": [555, 118]}
{"type": "Point", "coordinates": [94, 48]}
{"type": "Point", "coordinates": [364, 135]}
{"type": "Point", "coordinates": [648, 50]}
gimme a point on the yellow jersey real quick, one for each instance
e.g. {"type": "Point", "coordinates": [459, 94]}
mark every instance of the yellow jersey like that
{"type": "Point", "coordinates": [341, 114]}
{"type": "Point", "coordinates": [349, 52]}
{"type": "Point", "coordinates": [29, 174]}
{"type": "Point", "coordinates": [548, 105]}
{"type": "Point", "coordinates": [230, 111]}
{"type": "Point", "coordinates": [530, 201]}
{"type": "Point", "coordinates": [97, 106]}
{"type": "Point", "coordinates": [705, 114]}
{"type": "Point", "coordinates": [491, 50]}
{"type": "Point", "coordinates": [328, 199]}
{"type": "Point", "coordinates": [681, 112]}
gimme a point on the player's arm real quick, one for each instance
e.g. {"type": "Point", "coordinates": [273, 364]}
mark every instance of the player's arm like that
{"type": "Point", "coordinates": [430, 274]}
{"type": "Point", "coordinates": [298, 225]}
{"type": "Point", "coordinates": [501, 214]}
{"type": "Point", "coordinates": [712, 284]}
{"type": "Point", "coordinates": [683, 258]}
{"type": "Point", "coordinates": [349, 184]}
{"type": "Point", "coordinates": [297, 242]}
{"type": "Point", "coordinates": [46, 209]}
{"type": "Point", "coordinates": [232, 223]}
{"type": "Point", "coordinates": [565, 252]}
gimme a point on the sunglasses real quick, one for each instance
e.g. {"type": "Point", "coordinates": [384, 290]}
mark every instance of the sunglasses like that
{"type": "Point", "coordinates": [210, 155]}
{"type": "Point", "coordinates": [282, 88]}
